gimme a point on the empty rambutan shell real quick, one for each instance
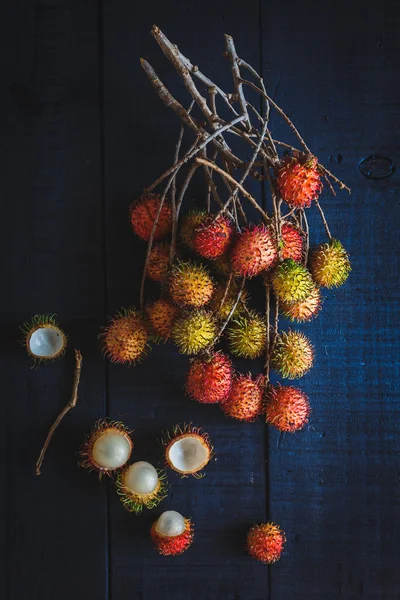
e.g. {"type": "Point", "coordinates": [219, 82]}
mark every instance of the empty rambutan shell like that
{"type": "Point", "coordinates": [254, 251]}
{"type": "Point", "coordinates": [304, 310]}
{"type": "Point", "coordinates": [265, 542]}
{"type": "Point", "coordinates": [107, 448]}
{"type": "Point", "coordinates": [287, 408]}
{"type": "Point", "coordinates": [143, 213]}
{"type": "Point", "coordinates": [158, 266]}
{"type": "Point", "coordinates": [125, 339]}
{"type": "Point", "coordinates": [43, 338]}
{"type": "Point", "coordinates": [299, 180]}
{"type": "Point", "coordinates": [194, 331]}
{"type": "Point", "coordinates": [293, 354]}
{"type": "Point", "coordinates": [329, 264]}
{"type": "Point", "coordinates": [162, 315]}
{"type": "Point", "coordinates": [171, 534]}
{"type": "Point", "coordinates": [190, 284]}
{"type": "Point", "coordinates": [210, 378]}
{"type": "Point", "coordinates": [141, 485]}
{"type": "Point", "coordinates": [188, 450]}
{"type": "Point", "coordinates": [246, 399]}
{"type": "Point", "coordinates": [213, 236]}
{"type": "Point", "coordinates": [292, 242]}
{"type": "Point", "coordinates": [189, 224]}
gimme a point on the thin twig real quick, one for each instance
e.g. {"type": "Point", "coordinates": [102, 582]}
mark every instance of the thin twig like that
{"type": "Point", "coordinates": [71, 404]}
{"type": "Point", "coordinates": [267, 344]}
{"type": "Point", "coordinates": [234, 60]}
{"type": "Point", "coordinates": [321, 212]}
{"type": "Point", "coordinates": [306, 235]}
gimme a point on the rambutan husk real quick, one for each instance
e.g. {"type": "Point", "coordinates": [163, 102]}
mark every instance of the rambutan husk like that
{"type": "Point", "coordinates": [213, 236]}
{"type": "Point", "coordinates": [246, 399]}
{"type": "Point", "coordinates": [254, 251]}
{"type": "Point", "coordinates": [209, 379]}
{"type": "Point", "coordinates": [158, 266]}
{"type": "Point", "coordinates": [189, 224]}
{"type": "Point", "coordinates": [162, 315]}
{"type": "Point", "coordinates": [292, 282]}
{"type": "Point", "coordinates": [298, 180]}
{"type": "Point", "coordinates": [107, 448]}
{"type": "Point", "coordinates": [136, 493]}
{"type": "Point", "coordinates": [329, 264]}
{"type": "Point", "coordinates": [194, 331]}
{"type": "Point", "coordinates": [143, 213]}
{"type": "Point", "coordinates": [172, 545]}
{"type": "Point", "coordinates": [247, 335]}
{"type": "Point", "coordinates": [43, 339]}
{"type": "Point", "coordinates": [125, 339]}
{"type": "Point", "coordinates": [287, 408]}
{"type": "Point", "coordinates": [292, 242]}
{"type": "Point", "coordinates": [187, 450]}
{"type": "Point", "coordinates": [305, 310]}
{"type": "Point", "coordinates": [265, 542]}
{"type": "Point", "coordinates": [293, 354]}
{"type": "Point", "coordinates": [190, 284]}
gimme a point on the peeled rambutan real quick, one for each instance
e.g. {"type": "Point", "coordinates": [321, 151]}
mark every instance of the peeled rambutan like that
{"type": "Point", "coordinates": [43, 338]}
{"type": "Point", "coordinates": [209, 379]}
{"type": "Point", "coordinates": [292, 242]}
{"type": "Point", "coordinates": [194, 331]}
{"type": "Point", "coordinates": [213, 237]}
{"type": "Point", "coordinates": [292, 282]}
{"type": "Point", "coordinates": [299, 180]}
{"type": "Point", "coordinates": [255, 250]}
{"type": "Point", "coordinates": [157, 268]}
{"type": "Point", "coordinates": [187, 450]}
{"type": "Point", "coordinates": [107, 448]}
{"type": "Point", "coordinates": [162, 315]}
{"type": "Point", "coordinates": [304, 310]}
{"type": "Point", "coordinates": [247, 335]}
{"type": "Point", "coordinates": [329, 264]}
{"type": "Point", "coordinates": [125, 339]}
{"type": "Point", "coordinates": [143, 213]}
{"type": "Point", "coordinates": [287, 408]}
{"type": "Point", "coordinates": [245, 400]}
{"type": "Point", "coordinates": [190, 284]}
{"type": "Point", "coordinates": [293, 354]}
{"type": "Point", "coordinates": [265, 542]}
{"type": "Point", "coordinates": [141, 485]}
{"type": "Point", "coordinates": [222, 303]}
{"type": "Point", "coordinates": [189, 223]}
{"type": "Point", "coordinates": [171, 534]}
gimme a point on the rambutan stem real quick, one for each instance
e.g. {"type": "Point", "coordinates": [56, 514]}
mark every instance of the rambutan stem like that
{"type": "Point", "coordinates": [306, 235]}
{"type": "Point", "coordinates": [71, 404]}
{"type": "Point", "coordinates": [321, 212]}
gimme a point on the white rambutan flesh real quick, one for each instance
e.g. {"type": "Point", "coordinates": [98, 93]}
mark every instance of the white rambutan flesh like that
{"type": "Point", "coordinates": [170, 524]}
{"type": "Point", "coordinates": [111, 450]}
{"type": "Point", "coordinates": [141, 478]}
{"type": "Point", "coordinates": [46, 342]}
{"type": "Point", "coordinates": [188, 454]}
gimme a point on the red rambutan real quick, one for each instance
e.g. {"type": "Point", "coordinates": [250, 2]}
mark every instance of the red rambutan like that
{"type": "Point", "coordinates": [213, 237]}
{"type": "Point", "coordinates": [255, 250]}
{"type": "Point", "coordinates": [265, 542]}
{"type": "Point", "coordinates": [143, 213]}
{"type": "Point", "coordinates": [298, 180]}
{"type": "Point", "coordinates": [210, 378]}
{"type": "Point", "coordinates": [158, 266]}
{"type": "Point", "coordinates": [292, 242]}
{"type": "Point", "coordinates": [172, 534]}
{"type": "Point", "coordinates": [287, 408]}
{"type": "Point", "coordinates": [162, 315]}
{"type": "Point", "coordinates": [125, 339]}
{"type": "Point", "coordinates": [304, 310]}
{"type": "Point", "coordinates": [245, 401]}
{"type": "Point", "coordinates": [189, 223]}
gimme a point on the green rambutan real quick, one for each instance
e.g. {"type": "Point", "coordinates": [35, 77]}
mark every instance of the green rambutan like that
{"type": "Point", "coordinates": [213, 236]}
{"type": "Point", "coordinates": [247, 335]}
{"type": "Point", "coordinates": [189, 223]}
{"type": "Point", "coordinates": [43, 338]}
{"type": "Point", "coordinates": [125, 339]}
{"type": "Point", "coordinates": [255, 250]}
{"type": "Point", "coordinates": [287, 408]}
{"type": "Point", "coordinates": [299, 180]}
{"type": "Point", "coordinates": [329, 264]}
{"type": "Point", "coordinates": [293, 354]}
{"type": "Point", "coordinates": [190, 284]}
{"type": "Point", "coordinates": [158, 266]}
{"type": "Point", "coordinates": [222, 303]}
{"type": "Point", "coordinates": [141, 485]}
{"type": "Point", "coordinates": [107, 448]}
{"type": "Point", "coordinates": [162, 315]}
{"type": "Point", "coordinates": [292, 242]}
{"type": "Point", "coordinates": [304, 310]}
{"type": "Point", "coordinates": [194, 331]}
{"type": "Point", "coordinates": [245, 400]}
{"type": "Point", "coordinates": [209, 379]}
{"type": "Point", "coordinates": [171, 534]}
{"type": "Point", "coordinates": [291, 282]}
{"type": "Point", "coordinates": [265, 542]}
{"type": "Point", "coordinates": [143, 213]}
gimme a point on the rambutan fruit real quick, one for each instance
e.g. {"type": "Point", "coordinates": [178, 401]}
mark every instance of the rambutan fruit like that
{"type": "Point", "coordinates": [107, 448]}
{"type": "Point", "coordinates": [299, 180]}
{"type": "Point", "coordinates": [304, 310]}
{"type": "Point", "coordinates": [245, 400]}
{"type": "Point", "coordinates": [162, 315]}
{"type": "Point", "coordinates": [292, 242]}
{"type": "Point", "coordinates": [330, 264]}
{"type": "Point", "coordinates": [189, 223]}
{"type": "Point", "coordinates": [247, 335]}
{"type": "Point", "coordinates": [222, 266]}
{"type": "Point", "coordinates": [265, 542]}
{"type": "Point", "coordinates": [255, 250]}
{"type": "Point", "coordinates": [171, 534]}
{"type": "Point", "coordinates": [222, 303]}
{"type": "Point", "coordinates": [209, 379]}
{"type": "Point", "coordinates": [213, 236]}
{"type": "Point", "coordinates": [43, 338]}
{"type": "Point", "coordinates": [158, 266]}
{"type": "Point", "coordinates": [125, 339]}
{"type": "Point", "coordinates": [143, 213]}
{"type": "Point", "coordinates": [293, 354]}
{"type": "Point", "coordinates": [194, 331]}
{"type": "Point", "coordinates": [141, 485]}
{"type": "Point", "coordinates": [187, 450]}
{"type": "Point", "coordinates": [190, 284]}
{"type": "Point", "coordinates": [287, 408]}
{"type": "Point", "coordinates": [292, 282]}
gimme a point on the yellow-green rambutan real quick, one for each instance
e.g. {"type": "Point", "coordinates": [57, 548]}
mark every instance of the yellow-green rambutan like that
{"type": "Point", "coordinates": [194, 331]}
{"type": "Point", "coordinates": [287, 408]}
{"type": "Point", "coordinates": [158, 266]}
{"type": "Point", "coordinates": [304, 310]}
{"type": "Point", "coordinates": [329, 264]}
{"type": "Point", "coordinates": [293, 354]}
{"type": "Point", "coordinates": [162, 315]}
{"type": "Point", "coordinates": [143, 213]}
{"type": "Point", "coordinates": [190, 284]}
{"type": "Point", "coordinates": [247, 335]}
{"type": "Point", "coordinates": [265, 542]}
{"type": "Point", "coordinates": [222, 302]}
{"type": "Point", "coordinates": [189, 223]}
{"type": "Point", "coordinates": [292, 282]}
{"type": "Point", "coordinates": [125, 339]}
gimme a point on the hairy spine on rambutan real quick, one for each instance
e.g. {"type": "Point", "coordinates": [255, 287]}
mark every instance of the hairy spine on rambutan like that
{"type": "Point", "coordinates": [247, 335]}
{"type": "Point", "coordinates": [188, 450]}
{"type": "Point", "coordinates": [293, 354]}
{"type": "Point", "coordinates": [171, 534]}
{"type": "Point", "coordinates": [125, 339]}
{"type": "Point", "coordinates": [209, 379]}
{"type": "Point", "coordinates": [265, 542]}
{"type": "Point", "coordinates": [213, 236]}
{"type": "Point", "coordinates": [162, 315]}
{"type": "Point", "coordinates": [245, 400]}
{"type": "Point", "coordinates": [158, 265]}
{"type": "Point", "coordinates": [287, 408]}
{"type": "Point", "coordinates": [304, 310]}
{"type": "Point", "coordinates": [107, 448]}
{"type": "Point", "coordinates": [189, 224]}
{"type": "Point", "coordinates": [330, 264]}
{"type": "Point", "coordinates": [190, 284]}
{"type": "Point", "coordinates": [292, 282]}
{"type": "Point", "coordinates": [255, 250]}
{"type": "Point", "coordinates": [298, 180]}
{"type": "Point", "coordinates": [143, 213]}
{"type": "Point", "coordinates": [194, 331]}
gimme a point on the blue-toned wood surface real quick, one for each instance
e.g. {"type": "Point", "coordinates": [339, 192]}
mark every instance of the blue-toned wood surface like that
{"type": "Point", "coordinates": [82, 133]}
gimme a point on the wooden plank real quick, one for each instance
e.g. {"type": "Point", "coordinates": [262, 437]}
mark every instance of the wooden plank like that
{"type": "Point", "coordinates": [140, 138]}
{"type": "Point", "coordinates": [334, 486]}
{"type": "Point", "coordinates": [54, 542]}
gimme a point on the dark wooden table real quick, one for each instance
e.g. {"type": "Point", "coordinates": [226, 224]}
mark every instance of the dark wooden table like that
{"type": "Point", "coordinates": [82, 133]}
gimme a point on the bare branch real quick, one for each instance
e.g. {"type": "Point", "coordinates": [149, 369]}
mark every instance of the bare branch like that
{"type": "Point", "coordinates": [234, 60]}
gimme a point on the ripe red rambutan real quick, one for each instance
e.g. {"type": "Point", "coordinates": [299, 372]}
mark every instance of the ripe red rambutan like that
{"type": "Point", "coordinates": [304, 310]}
{"type": "Point", "coordinates": [213, 237]}
{"type": "Point", "coordinates": [162, 315]}
{"type": "Point", "coordinates": [125, 339]}
{"type": "Point", "coordinates": [209, 379]}
{"type": "Point", "coordinates": [292, 242]}
{"type": "Point", "coordinates": [287, 408]}
{"type": "Point", "coordinates": [299, 180]}
{"type": "Point", "coordinates": [265, 542]}
{"type": "Point", "coordinates": [158, 266]}
{"type": "Point", "coordinates": [171, 534]}
{"type": "Point", "coordinates": [245, 401]}
{"type": "Point", "coordinates": [255, 250]}
{"type": "Point", "coordinates": [143, 213]}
